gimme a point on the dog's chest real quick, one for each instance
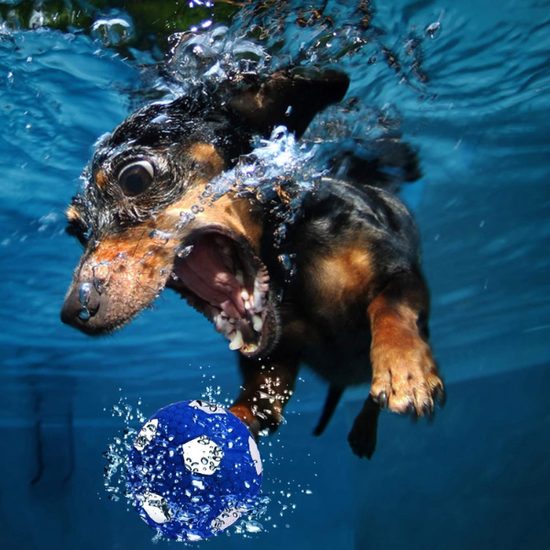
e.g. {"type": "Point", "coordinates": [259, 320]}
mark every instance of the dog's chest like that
{"type": "Point", "coordinates": [333, 333]}
{"type": "Point", "coordinates": [341, 357]}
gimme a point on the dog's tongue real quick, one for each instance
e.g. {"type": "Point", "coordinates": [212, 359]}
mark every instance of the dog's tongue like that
{"type": "Point", "coordinates": [204, 273]}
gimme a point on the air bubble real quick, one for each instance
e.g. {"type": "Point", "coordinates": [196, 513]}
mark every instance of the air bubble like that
{"type": "Point", "coordinates": [84, 314]}
{"type": "Point", "coordinates": [185, 218]}
{"type": "Point", "coordinates": [163, 236]}
{"type": "Point", "coordinates": [184, 251]}
{"type": "Point", "coordinates": [84, 293]}
{"type": "Point", "coordinates": [432, 30]}
{"type": "Point", "coordinates": [113, 31]}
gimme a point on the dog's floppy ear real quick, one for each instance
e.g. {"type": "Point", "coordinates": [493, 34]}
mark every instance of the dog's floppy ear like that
{"type": "Point", "coordinates": [385, 162]}
{"type": "Point", "coordinates": [290, 98]}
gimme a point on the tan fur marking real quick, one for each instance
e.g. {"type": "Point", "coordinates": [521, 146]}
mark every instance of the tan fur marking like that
{"type": "Point", "coordinates": [206, 155]}
{"type": "Point", "coordinates": [101, 179]}
{"type": "Point", "coordinates": [343, 276]}
{"type": "Point", "coordinates": [72, 214]}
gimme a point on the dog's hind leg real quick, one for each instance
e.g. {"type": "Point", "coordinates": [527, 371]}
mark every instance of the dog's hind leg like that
{"type": "Point", "coordinates": [267, 387]}
{"type": "Point", "coordinates": [362, 438]}
{"type": "Point", "coordinates": [404, 373]}
{"type": "Point", "coordinates": [331, 402]}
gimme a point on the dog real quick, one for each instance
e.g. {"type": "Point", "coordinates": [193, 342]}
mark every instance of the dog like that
{"type": "Point", "coordinates": [355, 309]}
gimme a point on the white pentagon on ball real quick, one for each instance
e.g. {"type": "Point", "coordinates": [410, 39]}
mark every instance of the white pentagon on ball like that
{"type": "Point", "coordinates": [205, 406]}
{"type": "Point", "coordinates": [225, 519]}
{"type": "Point", "coordinates": [155, 507]}
{"type": "Point", "coordinates": [146, 434]}
{"type": "Point", "coordinates": [202, 456]}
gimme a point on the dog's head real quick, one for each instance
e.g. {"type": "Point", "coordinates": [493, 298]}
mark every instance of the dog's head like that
{"type": "Point", "coordinates": [148, 220]}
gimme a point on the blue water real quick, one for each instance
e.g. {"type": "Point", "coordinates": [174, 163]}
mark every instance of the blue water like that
{"type": "Point", "coordinates": [478, 477]}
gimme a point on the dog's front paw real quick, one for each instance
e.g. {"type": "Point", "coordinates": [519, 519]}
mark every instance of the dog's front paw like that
{"type": "Point", "coordinates": [260, 417]}
{"type": "Point", "coordinates": [244, 413]}
{"type": "Point", "coordinates": [405, 376]}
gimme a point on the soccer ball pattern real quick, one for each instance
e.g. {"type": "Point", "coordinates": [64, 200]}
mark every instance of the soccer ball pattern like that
{"type": "Point", "coordinates": [194, 470]}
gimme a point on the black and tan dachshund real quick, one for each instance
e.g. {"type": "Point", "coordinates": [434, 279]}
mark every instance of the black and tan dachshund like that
{"type": "Point", "coordinates": [355, 309]}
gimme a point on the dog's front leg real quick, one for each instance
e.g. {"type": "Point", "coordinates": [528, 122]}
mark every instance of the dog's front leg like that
{"type": "Point", "coordinates": [404, 373]}
{"type": "Point", "coordinates": [267, 386]}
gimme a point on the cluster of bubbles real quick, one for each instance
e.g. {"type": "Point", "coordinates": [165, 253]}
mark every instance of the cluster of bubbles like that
{"type": "Point", "coordinates": [268, 35]}
{"type": "Point", "coordinates": [273, 162]}
{"type": "Point", "coordinates": [214, 55]}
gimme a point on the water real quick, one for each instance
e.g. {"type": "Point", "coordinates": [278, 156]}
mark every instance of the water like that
{"type": "Point", "coordinates": [478, 476]}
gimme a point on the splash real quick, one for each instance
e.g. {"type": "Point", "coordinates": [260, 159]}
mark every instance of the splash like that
{"type": "Point", "coordinates": [278, 160]}
{"type": "Point", "coordinates": [114, 29]}
{"type": "Point", "coordinates": [215, 55]}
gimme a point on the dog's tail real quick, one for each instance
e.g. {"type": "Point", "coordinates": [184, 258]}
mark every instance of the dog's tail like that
{"type": "Point", "coordinates": [331, 402]}
{"type": "Point", "coordinates": [386, 162]}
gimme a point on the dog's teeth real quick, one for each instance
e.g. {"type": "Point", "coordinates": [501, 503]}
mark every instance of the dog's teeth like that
{"type": "Point", "coordinates": [259, 298]}
{"type": "Point", "coordinates": [218, 322]}
{"type": "Point", "coordinates": [257, 323]}
{"type": "Point", "coordinates": [224, 324]}
{"type": "Point", "coordinates": [260, 286]}
{"type": "Point", "coordinates": [236, 340]}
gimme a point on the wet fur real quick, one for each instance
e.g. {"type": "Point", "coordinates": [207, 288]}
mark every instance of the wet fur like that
{"type": "Point", "coordinates": [356, 308]}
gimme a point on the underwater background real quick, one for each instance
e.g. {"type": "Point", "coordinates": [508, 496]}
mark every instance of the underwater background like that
{"type": "Point", "coordinates": [467, 84]}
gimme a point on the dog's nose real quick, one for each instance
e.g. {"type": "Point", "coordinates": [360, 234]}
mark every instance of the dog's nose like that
{"type": "Point", "coordinates": [81, 305]}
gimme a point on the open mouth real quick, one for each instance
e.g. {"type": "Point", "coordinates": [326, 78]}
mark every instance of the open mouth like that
{"type": "Point", "coordinates": [220, 275]}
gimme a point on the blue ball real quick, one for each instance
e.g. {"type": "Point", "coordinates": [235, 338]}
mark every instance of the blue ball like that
{"type": "Point", "coordinates": [194, 469]}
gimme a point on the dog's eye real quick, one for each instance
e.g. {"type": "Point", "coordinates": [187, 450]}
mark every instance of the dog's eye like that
{"type": "Point", "coordinates": [136, 177]}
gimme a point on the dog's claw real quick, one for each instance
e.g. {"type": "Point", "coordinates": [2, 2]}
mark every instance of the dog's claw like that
{"type": "Point", "coordinates": [428, 410]}
{"type": "Point", "coordinates": [440, 396]}
{"type": "Point", "coordinates": [382, 400]}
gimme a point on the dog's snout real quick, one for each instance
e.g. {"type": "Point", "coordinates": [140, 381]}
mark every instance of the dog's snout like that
{"type": "Point", "coordinates": [81, 304]}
